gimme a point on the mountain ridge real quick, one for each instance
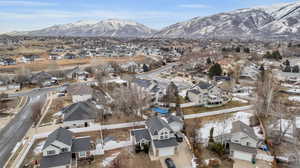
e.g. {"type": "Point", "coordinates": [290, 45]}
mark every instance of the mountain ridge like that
{"type": "Point", "coordinates": [264, 21]}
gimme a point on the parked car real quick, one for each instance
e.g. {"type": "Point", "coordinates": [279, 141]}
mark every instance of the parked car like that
{"type": "Point", "coordinates": [169, 162]}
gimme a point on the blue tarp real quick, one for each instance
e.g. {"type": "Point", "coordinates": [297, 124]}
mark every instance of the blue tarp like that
{"type": "Point", "coordinates": [160, 110]}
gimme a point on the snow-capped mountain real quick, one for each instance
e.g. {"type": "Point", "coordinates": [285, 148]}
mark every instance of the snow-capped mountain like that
{"type": "Point", "coordinates": [107, 28]}
{"type": "Point", "coordinates": [271, 21]}
{"type": "Point", "coordinates": [281, 19]}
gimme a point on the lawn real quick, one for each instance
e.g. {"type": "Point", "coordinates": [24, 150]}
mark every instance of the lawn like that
{"type": "Point", "coordinates": [200, 109]}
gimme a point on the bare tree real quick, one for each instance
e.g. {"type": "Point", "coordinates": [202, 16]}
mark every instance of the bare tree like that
{"type": "Point", "coordinates": [130, 100]}
{"type": "Point", "coordinates": [22, 74]}
{"type": "Point", "coordinates": [36, 112]}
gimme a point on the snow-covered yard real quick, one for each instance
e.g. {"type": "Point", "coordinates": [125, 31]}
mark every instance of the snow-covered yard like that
{"type": "Point", "coordinates": [110, 145]}
{"type": "Point", "coordinates": [223, 127]}
{"type": "Point", "coordinates": [294, 98]}
{"type": "Point", "coordinates": [38, 149]}
{"type": "Point", "coordinates": [107, 161]}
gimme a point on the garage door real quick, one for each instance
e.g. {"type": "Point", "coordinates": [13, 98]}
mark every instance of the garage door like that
{"type": "Point", "coordinates": [242, 156]}
{"type": "Point", "coordinates": [166, 151]}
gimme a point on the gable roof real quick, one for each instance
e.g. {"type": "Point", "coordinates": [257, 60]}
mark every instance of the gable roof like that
{"type": "Point", "coordinates": [155, 124]}
{"type": "Point", "coordinates": [143, 83]}
{"type": "Point", "coordinates": [60, 134]}
{"type": "Point", "coordinates": [81, 144]}
{"type": "Point", "coordinates": [239, 126]}
{"type": "Point", "coordinates": [140, 134]}
{"type": "Point", "coordinates": [173, 118]}
{"type": "Point", "coordinates": [79, 111]}
{"type": "Point", "coordinates": [238, 147]}
{"type": "Point", "coordinates": [165, 143]}
{"type": "Point", "coordinates": [41, 76]}
{"type": "Point", "coordinates": [204, 85]}
{"type": "Point", "coordinates": [80, 89]}
{"type": "Point", "coordinates": [56, 160]}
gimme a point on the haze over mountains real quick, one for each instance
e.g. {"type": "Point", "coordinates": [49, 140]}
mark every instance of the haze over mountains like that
{"type": "Point", "coordinates": [276, 20]}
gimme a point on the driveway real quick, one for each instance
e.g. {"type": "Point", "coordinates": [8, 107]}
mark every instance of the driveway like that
{"type": "Point", "coordinates": [182, 159]}
{"type": "Point", "coordinates": [246, 164]}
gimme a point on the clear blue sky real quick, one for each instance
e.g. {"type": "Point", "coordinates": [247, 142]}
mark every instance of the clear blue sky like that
{"type": "Point", "coordinates": [35, 14]}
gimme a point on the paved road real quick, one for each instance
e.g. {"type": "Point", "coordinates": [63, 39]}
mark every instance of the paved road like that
{"type": "Point", "coordinates": [16, 129]}
{"type": "Point", "coordinates": [163, 83]}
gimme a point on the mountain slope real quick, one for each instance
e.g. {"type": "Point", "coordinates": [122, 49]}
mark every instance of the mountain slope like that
{"type": "Point", "coordinates": [108, 28]}
{"type": "Point", "coordinates": [281, 19]}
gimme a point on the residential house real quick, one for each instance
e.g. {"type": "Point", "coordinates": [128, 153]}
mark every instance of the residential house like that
{"type": "Point", "coordinates": [69, 56]}
{"type": "Point", "coordinates": [80, 92]}
{"type": "Point", "coordinates": [43, 79]}
{"type": "Point", "coordinates": [77, 73]}
{"type": "Point", "coordinates": [62, 150]}
{"type": "Point", "coordinates": [241, 142]}
{"type": "Point", "coordinates": [175, 122]}
{"type": "Point", "coordinates": [150, 86]}
{"type": "Point", "coordinates": [7, 61]}
{"type": "Point", "coordinates": [29, 58]}
{"type": "Point", "coordinates": [159, 137]}
{"type": "Point", "coordinates": [207, 94]}
{"type": "Point", "coordinates": [81, 114]}
{"type": "Point", "coordinates": [55, 57]}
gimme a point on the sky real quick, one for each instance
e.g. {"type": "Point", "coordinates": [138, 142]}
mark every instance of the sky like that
{"type": "Point", "coordinates": [22, 15]}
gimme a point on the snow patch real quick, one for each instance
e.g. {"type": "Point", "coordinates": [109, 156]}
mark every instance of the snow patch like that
{"type": "Point", "coordinates": [107, 161]}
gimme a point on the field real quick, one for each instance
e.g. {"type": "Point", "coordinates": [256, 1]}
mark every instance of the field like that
{"type": "Point", "coordinates": [69, 63]}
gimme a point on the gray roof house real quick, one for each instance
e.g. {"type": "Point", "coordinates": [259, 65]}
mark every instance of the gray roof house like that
{"type": "Point", "coordinates": [158, 135]}
{"type": "Point", "coordinates": [79, 114]}
{"type": "Point", "coordinates": [150, 86]}
{"type": "Point", "coordinates": [60, 146]}
{"type": "Point", "coordinates": [242, 142]}
{"type": "Point", "coordinates": [207, 95]}
{"type": "Point", "coordinates": [80, 92]}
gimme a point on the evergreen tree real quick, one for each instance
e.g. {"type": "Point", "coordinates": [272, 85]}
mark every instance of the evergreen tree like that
{"type": "Point", "coordinates": [215, 70]}
{"type": "Point", "coordinates": [208, 61]}
{"type": "Point", "coordinates": [296, 69]}
{"type": "Point", "coordinates": [145, 68]}
{"type": "Point", "coordinates": [211, 135]}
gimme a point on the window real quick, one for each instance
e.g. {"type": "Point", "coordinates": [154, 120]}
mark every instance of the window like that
{"type": "Point", "coordinates": [82, 154]}
{"type": "Point", "coordinates": [248, 143]}
{"type": "Point", "coordinates": [51, 152]}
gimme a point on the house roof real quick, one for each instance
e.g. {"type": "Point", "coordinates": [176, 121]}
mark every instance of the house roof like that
{"type": "Point", "coordinates": [195, 91]}
{"type": "Point", "coordinates": [143, 82]}
{"type": "Point", "coordinates": [41, 76]}
{"type": "Point", "coordinates": [60, 134]}
{"type": "Point", "coordinates": [80, 89]}
{"type": "Point", "coordinates": [238, 147]}
{"type": "Point", "coordinates": [165, 143]}
{"type": "Point", "coordinates": [239, 126]}
{"type": "Point", "coordinates": [155, 124]}
{"type": "Point", "coordinates": [173, 118]}
{"type": "Point", "coordinates": [79, 111]}
{"type": "Point", "coordinates": [56, 160]}
{"type": "Point", "coordinates": [204, 85]}
{"type": "Point", "coordinates": [81, 144]}
{"type": "Point", "coordinates": [140, 134]}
